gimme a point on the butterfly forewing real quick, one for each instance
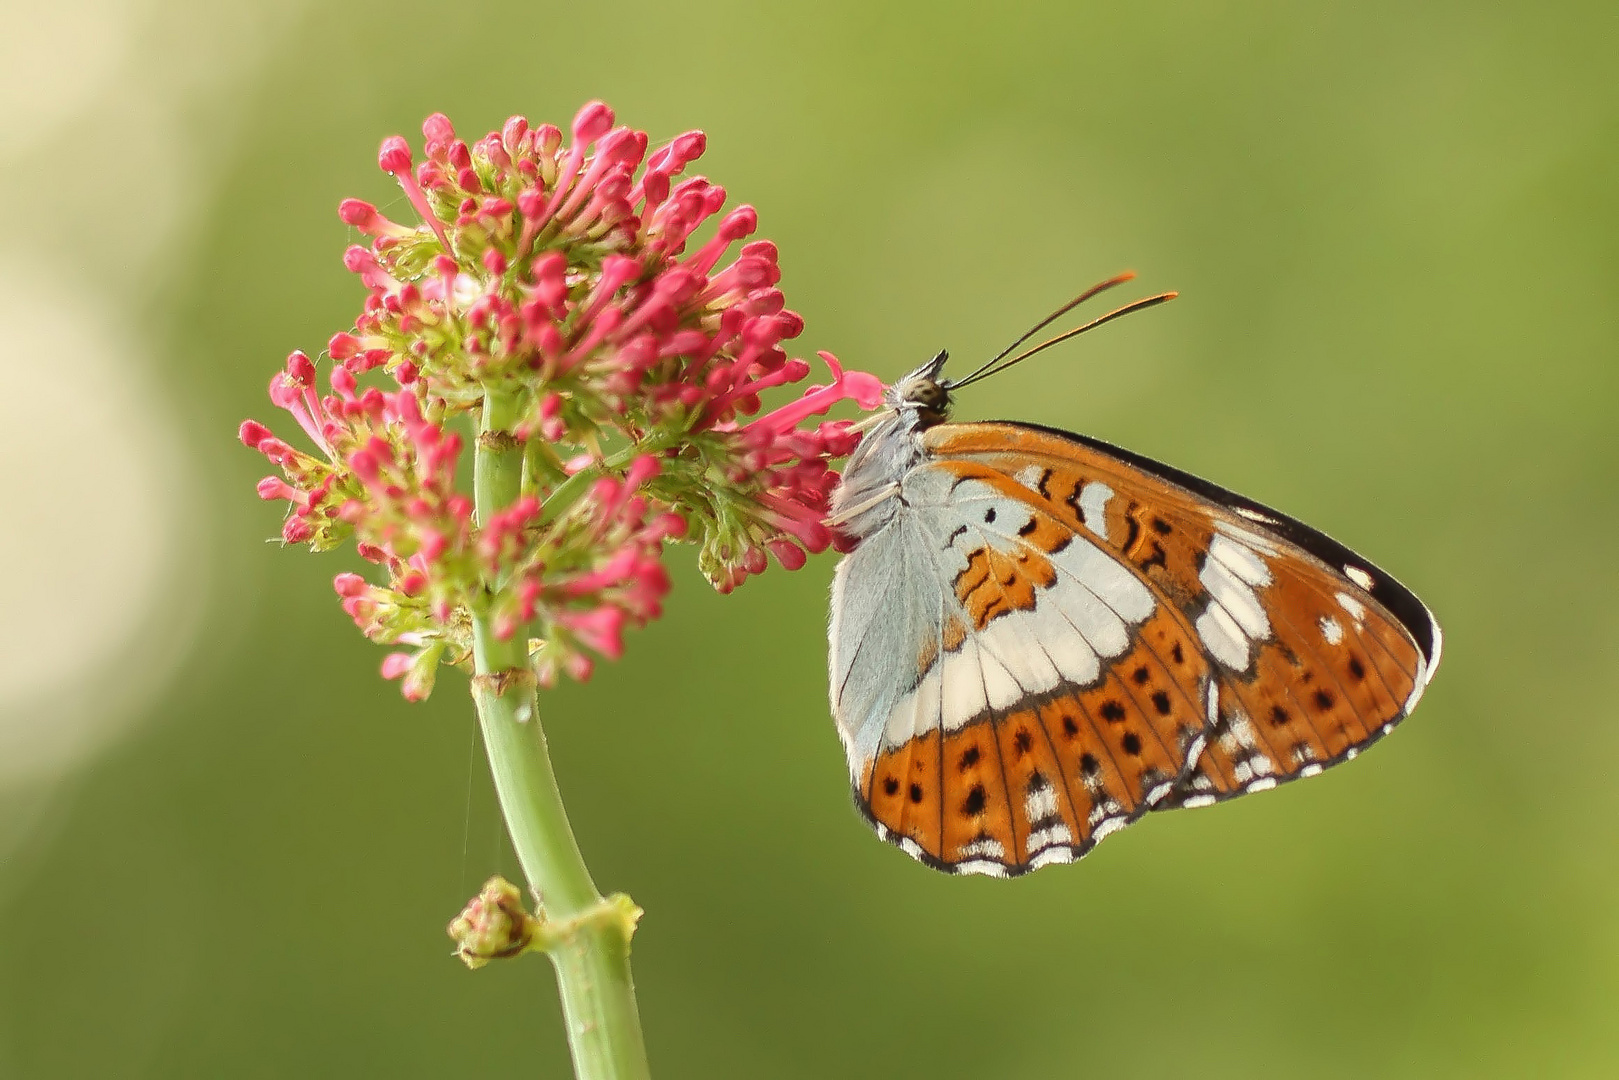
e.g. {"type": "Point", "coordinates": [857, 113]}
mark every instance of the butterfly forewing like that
{"type": "Point", "coordinates": [1308, 653]}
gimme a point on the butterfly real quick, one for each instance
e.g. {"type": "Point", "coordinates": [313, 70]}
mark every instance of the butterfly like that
{"type": "Point", "coordinates": [1037, 637]}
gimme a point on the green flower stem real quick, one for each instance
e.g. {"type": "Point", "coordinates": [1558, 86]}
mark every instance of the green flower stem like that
{"type": "Point", "coordinates": [591, 951]}
{"type": "Point", "coordinates": [565, 494]}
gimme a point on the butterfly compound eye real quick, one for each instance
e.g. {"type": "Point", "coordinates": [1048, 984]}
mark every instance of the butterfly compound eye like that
{"type": "Point", "coordinates": [927, 395]}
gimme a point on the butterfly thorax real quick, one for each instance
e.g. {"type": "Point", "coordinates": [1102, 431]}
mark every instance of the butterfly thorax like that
{"type": "Point", "coordinates": [868, 495]}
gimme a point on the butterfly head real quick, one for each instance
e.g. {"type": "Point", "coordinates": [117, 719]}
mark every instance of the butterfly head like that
{"type": "Point", "coordinates": [922, 393]}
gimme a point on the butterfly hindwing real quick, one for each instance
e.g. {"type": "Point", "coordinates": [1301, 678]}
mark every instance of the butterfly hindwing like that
{"type": "Point", "coordinates": [1055, 699]}
{"type": "Point", "coordinates": [1314, 652]}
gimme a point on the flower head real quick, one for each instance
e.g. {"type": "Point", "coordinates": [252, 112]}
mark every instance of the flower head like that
{"type": "Point", "coordinates": [551, 300]}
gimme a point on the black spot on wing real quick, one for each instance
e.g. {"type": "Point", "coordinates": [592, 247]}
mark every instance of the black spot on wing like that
{"type": "Point", "coordinates": [973, 805]}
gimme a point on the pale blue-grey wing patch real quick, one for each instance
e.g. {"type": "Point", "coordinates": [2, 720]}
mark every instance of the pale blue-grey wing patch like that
{"type": "Point", "coordinates": [885, 609]}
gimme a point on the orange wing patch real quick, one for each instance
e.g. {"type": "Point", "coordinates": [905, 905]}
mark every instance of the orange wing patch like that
{"type": "Point", "coordinates": [1324, 689]}
{"type": "Point", "coordinates": [902, 793]}
{"type": "Point", "coordinates": [998, 582]}
{"type": "Point", "coordinates": [1046, 780]}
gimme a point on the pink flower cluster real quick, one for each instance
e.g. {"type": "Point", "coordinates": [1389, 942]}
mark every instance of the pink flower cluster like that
{"type": "Point", "coordinates": [553, 275]}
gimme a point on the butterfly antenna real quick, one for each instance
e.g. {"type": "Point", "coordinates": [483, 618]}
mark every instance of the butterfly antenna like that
{"type": "Point", "coordinates": [1103, 286]}
{"type": "Point", "coordinates": [986, 371]}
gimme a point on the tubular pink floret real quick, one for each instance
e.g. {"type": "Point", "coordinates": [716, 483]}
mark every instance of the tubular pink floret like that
{"type": "Point", "coordinates": [395, 158]}
{"type": "Point", "coordinates": [356, 212]}
{"type": "Point", "coordinates": [368, 219]}
{"type": "Point", "coordinates": [273, 487]}
{"type": "Point", "coordinates": [361, 261]}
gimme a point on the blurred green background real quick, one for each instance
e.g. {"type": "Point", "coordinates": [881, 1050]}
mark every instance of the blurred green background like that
{"type": "Point", "coordinates": [227, 849]}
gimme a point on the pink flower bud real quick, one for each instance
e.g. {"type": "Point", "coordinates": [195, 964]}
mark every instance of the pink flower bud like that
{"type": "Point", "coordinates": [578, 666]}
{"type": "Point", "coordinates": [273, 487]}
{"type": "Point", "coordinates": [396, 664]}
{"type": "Point", "coordinates": [252, 433]}
{"type": "Point", "coordinates": [629, 148]}
{"type": "Point", "coordinates": [754, 561]}
{"type": "Point", "coordinates": [790, 324]}
{"type": "Point", "coordinates": [350, 585]}
{"type": "Point", "coordinates": [654, 188]}
{"type": "Point", "coordinates": [512, 132]}
{"type": "Point", "coordinates": [640, 471]}
{"type": "Point", "coordinates": [300, 368]}
{"type": "Point", "coordinates": [438, 129]}
{"type": "Point", "coordinates": [674, 157]}
{"type": "Point", "coordinates": [547, 137]}
{"type": "Point", "coordinates": [343, 346]}
{"type": "Point", "coordinates": [790, 555]}
{"type": "Point", "coordinates": [591, 122]}
{"type": "Point", "coordinates": [356, 212]}
{"type": "Point", "coordinates": [394, 157]}
{"type": "Point", "coordinates": [739, 223]}
{"type": "Point", "coordinates": [433, 544]}
{"type": "Point", "coordinates": [364, 465]}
